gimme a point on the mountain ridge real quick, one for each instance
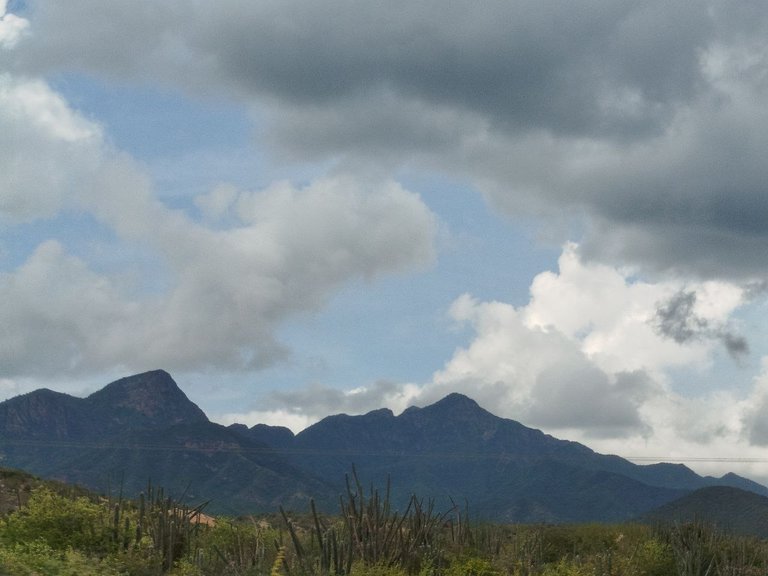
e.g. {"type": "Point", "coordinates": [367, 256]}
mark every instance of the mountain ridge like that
{"type": "Point", "coordinates": [144, 426]}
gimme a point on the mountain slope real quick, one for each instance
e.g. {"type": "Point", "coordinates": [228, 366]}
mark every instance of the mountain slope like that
{"type": "Point", "coordinates": [204, 461]}
{"type": "Point", "coordinates": [144, 427]}
{"type": "Point", "coordinates": [730, 509]}
{"type": "Point", "coordinates": [454, 449]}
{"type": "Point", "coordinates": [145, 401]}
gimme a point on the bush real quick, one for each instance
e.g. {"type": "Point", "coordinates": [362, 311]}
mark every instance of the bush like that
{"type": "Point", "coordinates": [360, 569]}
{"type": "Point", "coordinates": [238, 548]}
{"type": "Point", "coordinates": [567, 568]}
{"type": "Point", "coordinates": [471, 567]}
{"type": "Point", "coordinates": [60, 522]}
{"type": "Point", "coordinates": [655, 558]}
{"type": "Point", "coordinates": [36, 557]}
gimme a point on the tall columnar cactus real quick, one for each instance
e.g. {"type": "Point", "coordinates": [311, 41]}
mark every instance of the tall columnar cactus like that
{"type": "Point", "coordinates": [171, 526]}
{"type": "Point", "coordinates": [370, 533]}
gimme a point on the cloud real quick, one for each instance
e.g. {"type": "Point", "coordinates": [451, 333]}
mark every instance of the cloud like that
{"type": "Point", "coordinates": [46, 149]}
{"type": "Point", "coordinates": [610, 314]}
{"type": "Point", "coordinates": [538, 375]}
{"type": "Point", "coordinates": [318, 401]}
{"type": "Point", "coordinates": [11, 26]}
{"type": "Point", "coordinates": [642, 126]}
{"type": "Point", "coordinates": [298, 409]}
{"type": "Point", "coordinates": [583, 353]}
{"type": "Point", "coordinates": [215, 291]}
{"type": "Point", "coordinates": [589, 399]}
{"type": "Point", "coordinates": [293, 421]}
{"type": "Point", "coordinates": [736, 345]}
{"type": "Point", "coordinates": [58, 314]}
{"type": "Point", "coordinates": [596, 62]}
{"type": "Point", "coordinates": [677, 319]}
{"type": "Point", "coordinates": [644, 122]}
{"type": "Point", "coordinates": [8, 388]}
{"type": "Point", "coordinates": [227, 290]}
{"type": "Point", "coordinates": [755, 409]}
{"type": "Point", "coordinates": [583, 357]}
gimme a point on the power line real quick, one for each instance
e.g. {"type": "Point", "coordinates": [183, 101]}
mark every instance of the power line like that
{"type": "Point", "coordinates": [667, 459]}
{"type": "Point", "coordinates": [223, 447]}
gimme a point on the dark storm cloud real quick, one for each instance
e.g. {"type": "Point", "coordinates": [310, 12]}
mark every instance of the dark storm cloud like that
{"type": "Point", "coordinates": [523, 65]}
{"type": "Point", "coordinates": [677, 319]}
{"type": "Point", "coordinates": [646, 120]}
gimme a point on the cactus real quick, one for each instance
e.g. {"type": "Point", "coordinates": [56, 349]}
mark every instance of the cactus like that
{"type": "Point", "coordinates": [370, 533]}
{"type": "Point", "coordinates": [171, 526]}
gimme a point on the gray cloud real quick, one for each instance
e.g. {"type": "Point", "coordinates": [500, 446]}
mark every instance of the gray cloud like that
{"type": "Point", "coordinates": [645, 120]}
{"type": "Point", "coordinates": [677, 319]}
{"type": "Point", "coordinates": [318, 401]}
{"type": "Point", "coordinates": [754, 421]}
{"type": "Point", "coordinates": [226, 285]}
{"type": "Point", "coordinates": [736, 345]}
{"type": "Point", "coordinates": [551, 64]}
{"type": "Point", "coordinates": [587, 399]}
{"type": "Point", "coordinates": [45, 150]}
{"type": "Point", "coordinates": [284, 250]}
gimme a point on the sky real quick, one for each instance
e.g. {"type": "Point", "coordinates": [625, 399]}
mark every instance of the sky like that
{"type": "Point", "coordinates": [299, 209]}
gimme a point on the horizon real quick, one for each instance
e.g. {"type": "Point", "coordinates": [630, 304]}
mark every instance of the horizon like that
{"type": "Point", "coordinates": [559, 210]}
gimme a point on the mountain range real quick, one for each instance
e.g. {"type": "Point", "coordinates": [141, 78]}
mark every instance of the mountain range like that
{"type": "Point", "coordinates": [144, 428]}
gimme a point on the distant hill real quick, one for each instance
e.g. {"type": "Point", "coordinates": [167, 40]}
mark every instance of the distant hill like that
{"type": "Point", "coordinates": [730, 509]}
{"type": "Point", "coordinates": [144, 427]}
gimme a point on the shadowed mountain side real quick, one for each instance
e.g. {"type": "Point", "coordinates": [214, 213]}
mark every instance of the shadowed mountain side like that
{"type": "Point", "coordinates": [554, 492]}
{"type": "Point", "coordinates": [143, 402]}
{"type": "Point", "coordinates": [44, 414]}
{"type": "Point", "coordinates": [278, 437]}
{"type": "Point", "coordinates": [456, 449]}
{"type": "Point", "coordinates": [730, 509]}
{"type": "Point", "coordinates": [144, 427]}
{"type": "Point", "coordinates": [204, 461]}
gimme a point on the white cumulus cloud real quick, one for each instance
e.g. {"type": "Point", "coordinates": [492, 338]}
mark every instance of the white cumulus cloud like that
{"type": "Point", "coordinates": [46, 150]}
{"type": "Point", "coordinates": [224, 288]}
{"type": "Point", "coordinates": [11, 26]}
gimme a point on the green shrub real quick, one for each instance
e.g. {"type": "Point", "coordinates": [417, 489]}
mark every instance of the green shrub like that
{"type": "Point", "coordinates": [241, 547]}
{"type": "Point", "coordinates": [471, 567]}
{"type": "Point", "coordinates": [59, 522]}
{"type": "Point", "coordinates": [360, 569]}
{"type": "Point", "coordinates": [566, 567]}
{"type": "Point", "coordinates": [37, 558]}
{"type": "Point", "coordinates": [655, 558]}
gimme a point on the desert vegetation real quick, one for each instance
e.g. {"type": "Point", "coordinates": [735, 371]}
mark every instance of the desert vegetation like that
{"type": "Point", "coordinates": [60, 531]}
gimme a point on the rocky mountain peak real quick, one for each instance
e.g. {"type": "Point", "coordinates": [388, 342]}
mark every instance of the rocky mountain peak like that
{"type": "Point", "coordinates": [148, 397]}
